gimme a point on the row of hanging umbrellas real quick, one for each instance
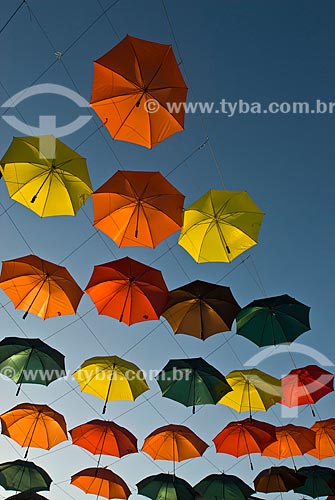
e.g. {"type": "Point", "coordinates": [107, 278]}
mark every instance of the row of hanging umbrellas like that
{"type": "Point", "coordinates": [29, 478]}
{"type": "Point", "coordinates": [39, 426]}
{"type": "Point", "coordinates": [133, 208]}
{"type": "Point", "coordinates": [191, 381]}
{"type": "Point", "coordinates": [131, 291]}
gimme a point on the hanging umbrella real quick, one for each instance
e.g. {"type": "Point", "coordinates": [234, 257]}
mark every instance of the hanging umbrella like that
{"type": "Point", "coordinates": [305, 386]}
{"type": "Point", "coordinates": [324, 439]}
{"type": "Point", "coordinates": [101, 482]}
{"type": "Point", "coordinates": [22, 475]}
{"type": "Point", "coordinates": [96, 376]}
{"type": "Point", "coordinates": [192, 382]}
{"type": "Point", "coordinates": [252, 390]}
{"type": "Point", "coordinates": [220, 225]}
{"type": "Point", "coordinates": [26, 495]}
{"type": "Point", "coordinates": [30, 361]}
{"type": "Point", "coordinates": [223, 487]}
{"type": "Point", "coordinates": [102, 437]}
{"type": "Point", "coordinates": [133, 87]}
{"type": "Point", "coordinates": [201, 309]}
{"type": "Point", "coordinates": [138, 208]}
{"type": "Point", "coordinates": [273, 320]}
{"type": "Point", "coordinates": [128, 291]}
{"type": "Point", "coordinates": [173, 442]}
{"type": "Point", "coordinates": [277, 479]}
{"type": "Point", "coordinates": [292, 441]}
{"type": "Point", "coordinates": [166, 487]}
{"type": "Point", "coordinates": [49, 184]}
{"type": "Point", "coordinates": [320, 481]}
{"type": "Point", "coordinates": [245, 437]}
{"type": "Point", "coordinates": [40, 287]}
{"type": "Point", "coordinates": [34, 426]}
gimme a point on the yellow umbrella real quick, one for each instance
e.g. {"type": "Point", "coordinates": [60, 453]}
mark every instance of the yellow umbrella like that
{"type": "Point", "coordinates": [220, 225]}
{"type": "Point", "coordinates": [45, 175]}
{"type": "Point", "coordinates": [253, 390]}
{"type": "Point", "coordinates": [111, 378]}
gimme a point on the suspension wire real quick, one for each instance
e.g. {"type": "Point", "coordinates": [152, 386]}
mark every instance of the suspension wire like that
{"type": "Point", "coordinates": [12, 16]}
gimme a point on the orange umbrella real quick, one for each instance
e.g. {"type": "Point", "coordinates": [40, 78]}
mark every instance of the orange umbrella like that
{"type": "Point", "coordinates": [325, 439]}
{"type": "Point", "coordinates": [133, 86]}
{"type": "Point", "coordinates": [34, 426]}
{"type": "Point", "coordinates": [101, 482]}
{"type": "Point", "coordinates": [138, 208]}
{"type": "Point", "coordinates": [40, 287]}
{"type": "Point", "coordinates": [102, 437]}
{"type": "Point", "coordinates": [128, 291]}
{"type": "Point", "coordinates": [245, 437]}
{"type": "Point", "coordinates": [173, 442]}
{"type": "Point", "coordinates": [292, 440]}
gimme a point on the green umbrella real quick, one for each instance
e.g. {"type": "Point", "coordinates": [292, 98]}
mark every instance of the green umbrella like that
{"type": "Point", "coordinates": [273, 320]}
{"type": "Point", "coordinates": [192, 382]}
{"type": "Point", "coordinates": [320, 481]}
{"type": "Point", "coordinates": [26, 495]}
{"type": "Point", "coordinates": [223, 487]}
{"type": "Point", "coordinates": [166, 487]}
{"type": "Point", "coordinates": [30, 361]}
{"type": "Point", "coordinates": [25, 476]}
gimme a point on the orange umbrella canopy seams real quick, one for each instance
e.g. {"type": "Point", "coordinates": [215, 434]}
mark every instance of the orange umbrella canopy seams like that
{"type": "Point", "coordinates": [101, 482]}
{"type": "Point", "coordinates": [102, 437]}
{"type": "Point", "coordinates": [138, 208]}
{"type": "Point", "coordinates": [292, 440]}
{"type": "Point", "coordinates": [40, 287]}
{"type": "Point", "coordinates": [325, 439]}
{"type": "Point", "coordinates": [33, 425]}
{"type": "Point", "coordinates": [127, 80]}
{"type": "Point", "coordinates": [173, 442]}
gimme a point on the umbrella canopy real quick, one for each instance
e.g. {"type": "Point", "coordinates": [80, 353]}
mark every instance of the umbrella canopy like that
{"type": "Point", "coordinates": [173, 442]}
{"type": "Point", "coordinates": [101, 482]}
{"type": "Point", "coordinates": [34, 426]}
{"type": "Point", "coordinates": [192, 382]}
{"type": "Point", "coordinates": [220, 225]}
{"type": "Point", "coordinates": [201, 309]}
{"type": "Point", "coordinates": [40, 287]}
{"type": "Point", "coordinates": [303, 386]}
{"type": "Point", "coordinates": [138, 208]}
{"type": "Point", "coordinates": [324, 439]}
{"type": "Point", "coordinates": [223, 487]}
{"type": "Point", "coordinates": [167, 487]}
{"type": "Point", "coordinates": [133, 85]}
{"type": "Point", "coordinates": [49, 184]}
{"type": "Point", "coordinates": [245, 437]}
{"type": "Point", "coordinates": [320, 481]}
{"type": "Point", "coordinates": [26, 495]}
{"type": "Point", "coordinates": [128, 291]}
{"type": "Point", "coordinates": [22, 475]}
{"type": "Point", "coordinates": [273, 320]}
{"type": "Point", "coordinates": [102, 437]}
{"type": "Point", "coordinates": [292, 440]}
{"type": "Point", "coordinates": [111, 378]}
{"type": "Point", "coordinates": [252, 390]}
{"type": "Point", "coordinates": [278, 479]}
{"type": "Point", "coordinates": [30, 361]}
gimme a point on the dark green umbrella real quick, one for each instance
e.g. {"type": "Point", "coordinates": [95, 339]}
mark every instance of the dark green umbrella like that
{"type": "Point", "coordinates": [320, 481]}
{"type": "Point", "coordinates": [30, 361]}
{"type": "Point", "coordinates": [192, 382]}
{"type": "Point", "coordinates": [223, 487]}
{"type": "Point", "coordinates": [166, 487]}
{"type": "Point", "coordinates": [273, 320]}
{"type": "Point", "coordinates": [26, 495]}
{"type": "Point", "coordinates": [25, 476]}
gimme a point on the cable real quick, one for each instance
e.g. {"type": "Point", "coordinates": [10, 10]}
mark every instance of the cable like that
{"type": "Point", "coordinates": [12, 16]}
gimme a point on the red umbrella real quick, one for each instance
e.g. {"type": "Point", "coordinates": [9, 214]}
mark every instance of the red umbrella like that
{"type": "Point", "coordinates": [245, 437]}
{"type": "Point", "coordinates": [303, 386]}
{"type": "Point", "coordinates": [128, 291]}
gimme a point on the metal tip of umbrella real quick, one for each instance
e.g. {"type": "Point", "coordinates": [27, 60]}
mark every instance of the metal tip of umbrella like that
{"type": "Point", "coordinates": [33, 199]}
{"type": "Point", "coordinates": [104, 409]}
{"type": "Point", "coordinates": [18, 390]}
{"type": "Point", "coordinates": [25, 315]}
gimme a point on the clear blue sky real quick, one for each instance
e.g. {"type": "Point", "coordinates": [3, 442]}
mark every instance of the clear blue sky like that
{"type": "Point", "coordinates": [254, 51]}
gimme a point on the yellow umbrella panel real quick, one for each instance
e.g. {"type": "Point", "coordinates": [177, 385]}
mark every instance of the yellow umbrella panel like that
{"type": "Point", "coordinates": [220, 225]}
{"type": "Point", "coordinates": [58, 185]}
